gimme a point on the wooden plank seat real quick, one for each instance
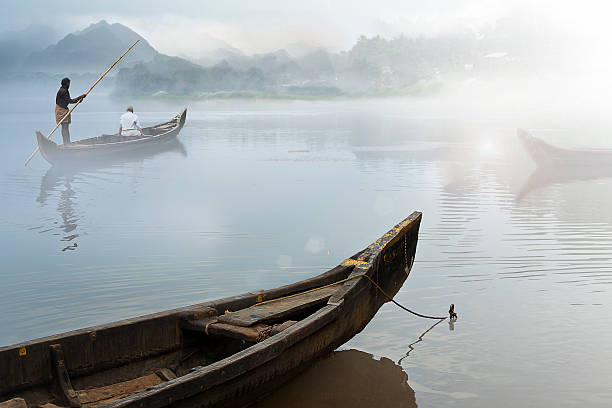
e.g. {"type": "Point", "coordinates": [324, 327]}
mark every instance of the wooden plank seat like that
{"type": "Point", "coordinates": [252, 324]}
{"type": "Point", "coordinates": [277, 309]}
{"type": "Point", "coordinates": [254, 334]}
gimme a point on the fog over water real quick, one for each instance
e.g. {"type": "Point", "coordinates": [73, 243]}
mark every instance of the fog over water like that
{"type": "Point", "coordinates": [258, 193]}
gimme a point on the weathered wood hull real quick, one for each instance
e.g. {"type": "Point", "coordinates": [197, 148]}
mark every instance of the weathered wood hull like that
{"type": "Point", "coordinates": [213, 371]}
{"type": "Point", "coordinates": [109, 146]}
{"type": "Point", "coordinates": [546, 155]}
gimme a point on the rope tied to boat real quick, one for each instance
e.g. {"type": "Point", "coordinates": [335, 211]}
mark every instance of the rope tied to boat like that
{"type": "Point", "coordinates": [361, 275]}
{"type": "Point", "coordinates": [208, 324]}
{"type": "Point", "coordinates": [396, 303]}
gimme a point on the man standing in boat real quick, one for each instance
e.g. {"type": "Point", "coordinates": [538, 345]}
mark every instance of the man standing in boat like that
{"type": "Point", "coordinates": [62, 99]}
{"type": "Point", "coordinates": [129, 124]}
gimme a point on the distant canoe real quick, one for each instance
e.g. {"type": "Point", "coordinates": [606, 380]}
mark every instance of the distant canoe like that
{"type": "Point", "coordinates": [224, 352]}
{"type": "Point", "coordinates": [547, 155]}
{"type": "Point", "coordinates": [109, 145]}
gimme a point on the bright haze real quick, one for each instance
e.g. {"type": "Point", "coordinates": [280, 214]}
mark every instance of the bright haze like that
{"type": "Point", "coordinates": [188, 26]}
{"type": "Point", "coordinates": [564, 43]}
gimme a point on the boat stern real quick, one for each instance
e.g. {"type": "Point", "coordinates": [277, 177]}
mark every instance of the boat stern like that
{"type": "Point", "coordinates": [48, 148]}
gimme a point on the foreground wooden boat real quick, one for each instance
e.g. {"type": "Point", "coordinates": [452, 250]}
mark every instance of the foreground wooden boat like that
{"type": "Point", "coordinates": [225, 352]}
{"type": "Point", "coordinates": [547, 155]}
{"type": "Point", "coordinates": [110, 145]}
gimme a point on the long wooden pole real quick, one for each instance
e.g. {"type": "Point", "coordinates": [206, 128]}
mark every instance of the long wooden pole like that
{"type": "Point", "coordinates": [80, 100]}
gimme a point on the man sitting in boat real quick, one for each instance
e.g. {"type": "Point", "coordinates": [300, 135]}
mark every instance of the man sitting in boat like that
{"type": "Point", "coordinates": [62, 99]}
{"type": "Point", "coordinates": [129, 124]}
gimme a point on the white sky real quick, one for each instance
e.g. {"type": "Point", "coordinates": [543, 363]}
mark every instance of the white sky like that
{"type": "Point", "coordinates": [192, 27]}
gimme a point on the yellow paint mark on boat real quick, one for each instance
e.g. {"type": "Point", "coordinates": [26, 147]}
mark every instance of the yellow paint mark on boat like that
{"type": "Point", "coordinates": [22, 352]}
{"type": "Point", "coordinates": [260, 298]}
{"type": "Point", "coordinates": [355, 262]}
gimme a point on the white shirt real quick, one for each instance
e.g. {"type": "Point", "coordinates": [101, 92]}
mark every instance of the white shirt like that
{"type": "Point", "coordinates": [130, 126]}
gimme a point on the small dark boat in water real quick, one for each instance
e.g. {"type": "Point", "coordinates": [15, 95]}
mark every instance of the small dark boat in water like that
{"type": "Point", "coordinates": [226, 352]}
{"type": "Point", "coordinates": [105, 146]}
{"type": "Point", "coordinates": [547, 155]}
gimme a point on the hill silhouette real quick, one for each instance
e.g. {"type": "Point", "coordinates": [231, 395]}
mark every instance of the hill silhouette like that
{"type": "Point", "coordinates": [90, 50]}
{"type": "Point", "coordinates": [16, 46]}
{"type": "Point", "coordinates": [372, 66]}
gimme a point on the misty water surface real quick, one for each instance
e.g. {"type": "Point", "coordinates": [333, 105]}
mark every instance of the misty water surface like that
{"type": "Point", "coordinates": [257, 194]}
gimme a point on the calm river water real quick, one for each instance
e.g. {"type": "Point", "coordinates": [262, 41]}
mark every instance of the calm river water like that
{"type": "Point", "coordinates": [257, 194]}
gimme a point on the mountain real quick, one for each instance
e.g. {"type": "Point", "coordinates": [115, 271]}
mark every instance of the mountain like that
{"type": "Point", "coordinates": [372, 66]}
{"type": "Point", "coordinates": [15, 46]}
{"type": "Point", "coordinates": [277, 64]}
{"type": "Point", "coordinates": [302, 48]}
{"type": "Point", "coordinates": [217, 55]}
{"type": "Point", "coordinates": [91, 50]}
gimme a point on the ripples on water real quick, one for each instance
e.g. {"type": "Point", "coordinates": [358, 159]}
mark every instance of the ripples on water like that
{"type": "Point", "coordinates": [256, 195]}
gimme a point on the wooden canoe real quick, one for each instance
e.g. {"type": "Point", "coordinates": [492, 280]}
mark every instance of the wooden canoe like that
{"type": "Point", "coordinates": [226, 352]}
{"type": "Point", "coordinates": [547, 155]}
{"type": "Point", "coordinates": [108, 146]}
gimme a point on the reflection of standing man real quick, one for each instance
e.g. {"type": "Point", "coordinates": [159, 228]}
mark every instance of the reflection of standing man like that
{"type": "Point", "coordinates": [62, 99]}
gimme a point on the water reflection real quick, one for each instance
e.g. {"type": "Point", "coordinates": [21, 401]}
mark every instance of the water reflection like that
{"type": "Point", "coordinates": [53, 181]}
{"type": "Point", "coordinates": [451, 326]}
{"type": "Point", "coordinates": [530, 271]}
{"type": "Point", "coordinates": [348, 378]}
{"type": "Point", "coordinates": [544, 177]}
{"type": "Point", "coordinates": [62, 179]}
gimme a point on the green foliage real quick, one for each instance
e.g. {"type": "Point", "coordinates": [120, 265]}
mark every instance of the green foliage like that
{"type": "Point", "coordinates": [179, 77]}
{"type": "Point", "coordinates": [373, 66]}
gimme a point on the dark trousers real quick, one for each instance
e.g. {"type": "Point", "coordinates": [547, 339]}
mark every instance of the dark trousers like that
{"type": "Point", "coordinates": [66, 132]}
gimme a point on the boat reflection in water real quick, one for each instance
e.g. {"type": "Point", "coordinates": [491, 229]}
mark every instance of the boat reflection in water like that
{"type": "Point", "coordinates": [556, 165]}
{"type": "Point", "coordinates": [51, 182]}
{"type": "Point", "coordinates": [60, 179]}
{"type": "Point", "coordinates": [348, 378]}
{"type": "Point", "coordinates": [544, 177]}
